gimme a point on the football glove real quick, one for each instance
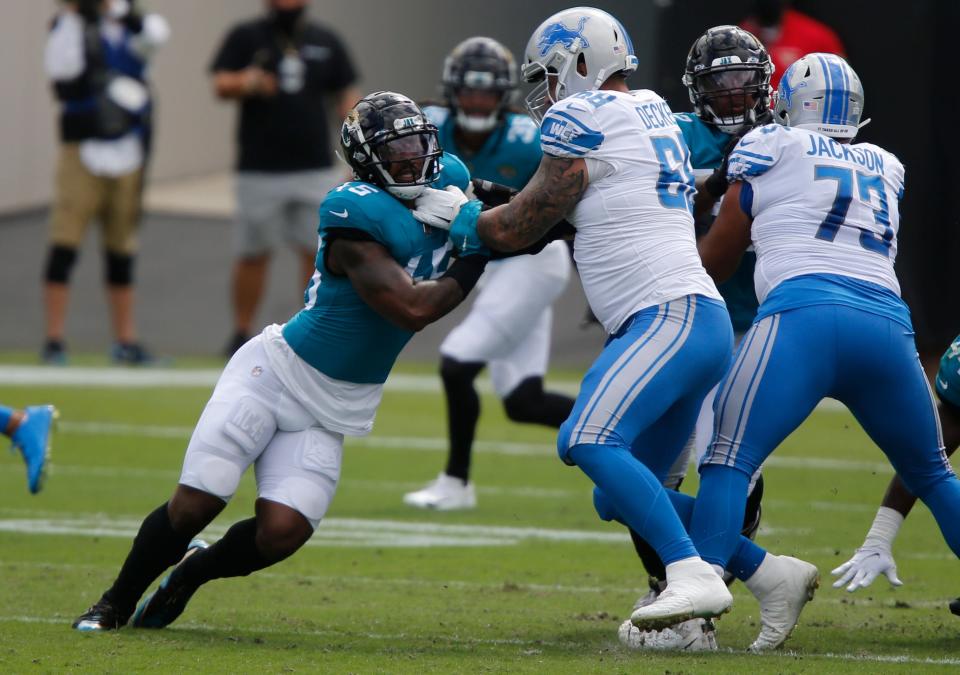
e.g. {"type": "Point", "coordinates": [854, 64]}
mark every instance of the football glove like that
{"type": "Point", "coordinates": [439, 208]}
{"type": "Point", "coordinates": [463, 231]}
{"type": "Point", "coordinates": [867, 564]}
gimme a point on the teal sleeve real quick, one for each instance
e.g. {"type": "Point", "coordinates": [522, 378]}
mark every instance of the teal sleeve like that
{"type": "Point", "coordinates": [452, 172]}
{"type": "Point", "coordinates": [354, 206]}
{"type": "Point", "coordinates": [948, 377]}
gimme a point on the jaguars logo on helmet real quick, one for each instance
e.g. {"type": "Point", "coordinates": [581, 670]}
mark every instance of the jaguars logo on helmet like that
{"type": "Point", "coordinates": [728, 78]}
{"type": "Point", "coordinates": [482, 64]}
{"type": "Point", "coordinates": [386, 135]}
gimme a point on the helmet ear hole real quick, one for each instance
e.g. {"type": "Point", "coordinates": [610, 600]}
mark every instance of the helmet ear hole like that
{"type": "Point", "coordinates": [581, 65]}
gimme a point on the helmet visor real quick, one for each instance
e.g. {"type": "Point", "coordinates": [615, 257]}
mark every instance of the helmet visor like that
{"type": "Point", "coordinates": [410, 159]}
{"type": "Point", "coordinates": [727, 80]}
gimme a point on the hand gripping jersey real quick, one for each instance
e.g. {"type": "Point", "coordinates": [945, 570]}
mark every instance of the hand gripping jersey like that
{"type": "Point", "coordinates": [337, 332]}
{"type": "Point", "coordinates": [635, 244]}
{"type": "Point", "coordinates": [820, 207]}
{"type": "Point", "coordinates": [510, 156]}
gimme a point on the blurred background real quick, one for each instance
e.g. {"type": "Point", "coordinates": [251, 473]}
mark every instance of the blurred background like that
{"type": "Point", "coordinates": [901, 50]}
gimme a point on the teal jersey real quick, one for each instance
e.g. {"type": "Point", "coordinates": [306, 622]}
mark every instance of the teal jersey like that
{"type": "Point", "coordinates": [706, 144]}
{"type": "Point", "coordinates": [337, 332]}
{"type": "Point", "coordinates": [510, 156]}
{"type": "Point", "coordinates": [948, 377]}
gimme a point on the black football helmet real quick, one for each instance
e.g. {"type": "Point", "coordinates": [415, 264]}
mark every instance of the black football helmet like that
{"type": "Point", "coordinates": [388, 141]}
{"type": "Point", "coordinates": [728, 77]}
{"type": "Point", "coordinates": [479, 63]}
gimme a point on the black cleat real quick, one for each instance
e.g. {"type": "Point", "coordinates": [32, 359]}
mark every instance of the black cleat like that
{"type": "Point", "coordinates": [955, 607]}
{"type": "Point", "coordinates": [131, 354]}
{"type": "Point", "coordinates": [104, 615]}
{"type": "Point", "coordinates": [163, 606]}
{"type": "Point", "coordinates": [54, 353]}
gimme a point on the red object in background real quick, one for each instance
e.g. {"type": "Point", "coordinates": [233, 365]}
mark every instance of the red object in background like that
{"type": "Point", "coordinates": [796, 36]}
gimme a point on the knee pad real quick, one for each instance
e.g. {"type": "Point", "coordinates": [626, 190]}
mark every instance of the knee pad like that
{"type": "Point", "coordinates": [60, 263]}
{"type": "Point", "coordinates": [521, 404]}
{"type": "Point", "coordinates": [119, 269]}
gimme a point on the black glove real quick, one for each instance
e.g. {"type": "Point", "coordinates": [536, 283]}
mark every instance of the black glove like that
{"type": "Point", "coordinates": [490, 193]}
{"type": "Point", "coordinates": [716, 183]}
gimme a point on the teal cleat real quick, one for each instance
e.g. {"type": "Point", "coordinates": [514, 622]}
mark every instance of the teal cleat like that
{"type": "Point", "coordinates": [32, 439]}
{"type": "Point", "coordinates": [164, 605]}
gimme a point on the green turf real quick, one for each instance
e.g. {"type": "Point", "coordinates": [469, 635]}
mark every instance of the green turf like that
{"type": "Point", "coordinates": [530, 606]}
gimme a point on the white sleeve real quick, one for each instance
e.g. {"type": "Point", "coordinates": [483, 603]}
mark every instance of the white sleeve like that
{"type": "Point", "coordinates": [756, 153]}
{"type": "Point", "coordinates": [569, 129]}
{"type": "Point", "coordinates": [63, 57]}
{"type": "Point", "coordinates": [155, 32]}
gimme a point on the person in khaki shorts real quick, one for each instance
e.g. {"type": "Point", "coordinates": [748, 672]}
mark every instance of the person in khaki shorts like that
{"type": "Point", "coordinates": [96, 55]}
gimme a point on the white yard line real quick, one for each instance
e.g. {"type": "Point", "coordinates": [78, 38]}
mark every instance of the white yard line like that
{"type": "Point", "coordinates": [439, 443]}
{"type": "Point", "coordinates": [140, 378]}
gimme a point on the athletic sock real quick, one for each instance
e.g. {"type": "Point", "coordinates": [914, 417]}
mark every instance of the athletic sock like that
{"type": "Point", "coordinates": [638, 498]}
{"type": "Point", "coordinates": [156, 547]}
{"type": "Point", "coordinates": [463, 411]}
{"type": "Point", "coordinates": [235, 555]}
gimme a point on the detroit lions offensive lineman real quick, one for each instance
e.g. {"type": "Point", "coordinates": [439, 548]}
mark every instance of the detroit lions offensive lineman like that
{"type": "Point", "coordinates": [822, 214]}
{"type": "Point", "coordinates": [507, 329]}
{"type": "Point", "coordinates": [287, 398]}
{"type": "Point", "coordinates": [615, 165]}
{"type": "Point", "coordinates": [727, 75]}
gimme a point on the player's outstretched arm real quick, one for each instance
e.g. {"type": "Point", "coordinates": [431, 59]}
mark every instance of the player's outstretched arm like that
{"type": "Point", "coordinates": [723, 245]}
{"type": "Point", "coordinates": [875, 557]}
{"type": "Point", "coordinates": [548, 198]}
{"type": "Point", "coordinates": [389, 290]}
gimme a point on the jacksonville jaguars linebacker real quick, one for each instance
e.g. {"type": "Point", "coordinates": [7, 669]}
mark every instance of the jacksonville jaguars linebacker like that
{"type": "Point", "coordinates": [875, 557]}
{"type": "Point", "coordinates": [288, 397]}
{"type": "Point", "coordinates": [505, 329]}
{"type": "Point", "coordinates": [822, 214]}
{"type": "Point", "coordinates": [727, 75]}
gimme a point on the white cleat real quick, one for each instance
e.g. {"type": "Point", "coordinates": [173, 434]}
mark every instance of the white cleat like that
{"type": "Point", "coordinates": [783, 585]}
{"type": "Point", "coordinates": [695, 635]}
{"type": "Point", "coordinates": [693, 591]}
{"type": "Point", "coordinates": [446, 493]}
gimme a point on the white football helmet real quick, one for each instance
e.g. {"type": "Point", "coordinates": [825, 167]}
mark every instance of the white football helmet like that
{"type": "Point", "coordinates": [821, 92]}
{"type": "Point", "coordinates": [582, 36]}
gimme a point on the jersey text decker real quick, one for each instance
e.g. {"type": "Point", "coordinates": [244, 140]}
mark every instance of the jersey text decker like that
{"type": "Point", "coordinates": [635, 244]}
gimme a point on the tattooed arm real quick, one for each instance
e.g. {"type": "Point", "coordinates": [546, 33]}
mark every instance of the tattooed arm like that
{"type": "Point", "coordinates": [550, 195]}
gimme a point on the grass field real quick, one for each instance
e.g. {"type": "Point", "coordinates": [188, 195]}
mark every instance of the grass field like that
{"type": "Point", "coordinates": [529, 582]}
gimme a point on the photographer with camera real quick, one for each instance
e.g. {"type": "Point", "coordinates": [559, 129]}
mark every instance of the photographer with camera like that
{"type": "Point", "coordinates": [96, 56]}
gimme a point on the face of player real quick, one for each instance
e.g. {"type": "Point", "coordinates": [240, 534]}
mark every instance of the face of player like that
{"type": "Point", "coordinates": [478, 102]}
{"type": "Point", "coordinates": [404, 158]}
{"type": "Point", "coordinates": [731, 93]}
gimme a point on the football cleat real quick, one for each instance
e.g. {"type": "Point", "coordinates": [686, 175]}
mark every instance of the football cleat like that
{"type": "Point", "coordinates": [955, 607]}
{"type": "Point", "coordinates": [101, 616]}
{"type": "Point", "coordinates": [695, 635]}
{"type": "Point", "coordinates": [693, 590]}
{"type": "Point", "coordinates": [446, 493]}
{"type": "Point", "coordinates": [164, 605]}
{"type": "Point", "coordinates": [783, 585]}
{"type": "Point", "coordinates": [32, 439]}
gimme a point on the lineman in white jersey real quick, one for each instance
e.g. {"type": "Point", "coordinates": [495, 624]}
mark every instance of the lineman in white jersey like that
{"type": "Point", "coordinates": [616, 167]}
{"type": "Point", "coordinates": [823, 216]}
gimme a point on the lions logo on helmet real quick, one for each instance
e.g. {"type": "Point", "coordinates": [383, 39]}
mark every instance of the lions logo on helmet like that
{"type": "Point", "coordinates": [822, 93]}
{"type": "Point", "coordinates": [564, 61]}
{"type": "Point", "coordinates": [387, 141]}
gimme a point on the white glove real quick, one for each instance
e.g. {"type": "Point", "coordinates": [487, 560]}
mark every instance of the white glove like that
{"type": "Point", "coordinates": [866, 565]}
{"type": "Point", "coordinates": [439, 208]}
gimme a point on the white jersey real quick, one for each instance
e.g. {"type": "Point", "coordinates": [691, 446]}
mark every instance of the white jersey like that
{"type": "Point", "coordinates": [818, 206]}
{"type": "Point", "coordinates": [635, 245]}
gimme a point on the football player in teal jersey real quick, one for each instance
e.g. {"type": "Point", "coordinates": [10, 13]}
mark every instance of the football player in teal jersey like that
{"type": "Point", "coordinates": [30, 431]}
{"type": "Point", "coordinates": [875, 556]}
{"type": "Point", "coordinates": [287, 398]}
{"type": "Point", "coordinates": [505, 331]}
